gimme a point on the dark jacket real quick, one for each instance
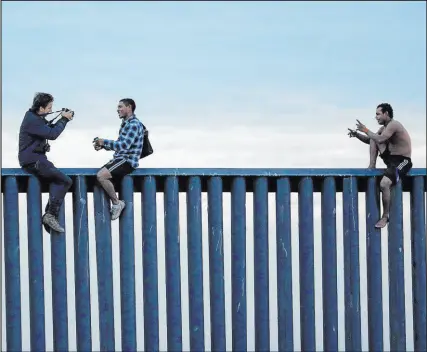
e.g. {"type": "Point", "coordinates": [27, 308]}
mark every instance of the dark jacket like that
{"type": "Point", "coordinates": [33, 136]}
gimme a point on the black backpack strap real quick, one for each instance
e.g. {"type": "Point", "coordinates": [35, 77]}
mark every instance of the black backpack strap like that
{"type": "Point", "coordinates": [147, 149]}
{"type": "Point", "coordinates": [145, 129]}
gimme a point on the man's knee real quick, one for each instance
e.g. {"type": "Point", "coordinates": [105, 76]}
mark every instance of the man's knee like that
{"type": "Point", "coordinates": [68, 181]}
{"type": "Point", "coordinates": [63, 179]}
{"type": "Point", "coordinates": [385, 183]}
{"type": "Point", "coordinates": [381, 147]}
{"type": "Point", "coordinates": [103, 175]}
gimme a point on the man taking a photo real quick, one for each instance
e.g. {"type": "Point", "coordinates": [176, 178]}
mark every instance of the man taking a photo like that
{"type": "Point", "coordinates": [34, 134]}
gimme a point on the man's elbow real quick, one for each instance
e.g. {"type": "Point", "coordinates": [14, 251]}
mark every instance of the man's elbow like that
{"type": "Point", "coordinates": [53, 134]}
{"type": "Point", "coordinates": [115, 147]}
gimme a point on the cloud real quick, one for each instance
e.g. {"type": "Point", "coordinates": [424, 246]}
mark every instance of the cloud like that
{"type": "Point", "coordinates": [243, 147]}
{"type": "Point", "coordinates": [259, 130]}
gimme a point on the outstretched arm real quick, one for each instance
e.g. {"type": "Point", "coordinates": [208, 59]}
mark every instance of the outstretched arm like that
{"type": "Point", "coordinates": [359, 136]}
{"type": "Point", "coordinates": [125, 140]}
{"type": "Point", "coordinates": [378, 138]}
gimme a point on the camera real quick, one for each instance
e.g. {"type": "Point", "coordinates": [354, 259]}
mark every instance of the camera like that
{"type": "Point", "coordinates": [68, 110]}
{"type": "Point", "coordinates": [42, 148]}
{"type": "Point", "coordinates": [97, 147]}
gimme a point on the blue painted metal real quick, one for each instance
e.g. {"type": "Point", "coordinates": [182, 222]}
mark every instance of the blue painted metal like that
{"type": "Point", "coordinates": [173, 265]}
{"type": "Point", "coordinates": [104, 269]}
{"type": "Point", "coordinates": [216, 264]}
{"type": "Point", "coordinates": [81, 265]}
{"type": "Point", "coordinates": [150, 272]}
{"type": "Point", "coordinates": [262, 312]}
{"type": "Point", "coordinates": [306, 264]}
{"type": "Point", "coordinates": [215, 182]}
{"type": "Point", "coordinates": [396, 272]}
{"type": "Point", "coordinates": [59, 286]}
{"type": "Point", "coordinates": [284, 265]}
{"type": "Point", "coordinates": [195, 263]}
{"type": "Point", "coordinates": [238, 264]}
{"type": "Point", "coordinates": [35, 264]}
{"type": "Point", "coordinates": [220, 172]}
{"type": "Point", "coordinates": [127, 267]}
{"type": "Point", "coordinates": [351, 265]}
{"type": "Point", "coordinates": [329, 266]}
{"type": "Point", "coordinates": [418, 240]}
{"type": "Point", "coordinates": [374, 268]}
{"type": "Point", "coordinates": [12, 265]}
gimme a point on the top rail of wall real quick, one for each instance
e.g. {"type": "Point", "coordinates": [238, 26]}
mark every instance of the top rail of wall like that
{"type": "Point", "coordinates": [226, 174]}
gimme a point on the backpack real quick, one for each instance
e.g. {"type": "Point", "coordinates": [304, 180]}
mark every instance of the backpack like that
{"type": "Point", "coordinates": [147, 149]}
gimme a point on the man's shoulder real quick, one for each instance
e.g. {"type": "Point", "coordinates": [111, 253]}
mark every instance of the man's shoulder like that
{"type": "Point", "coordinates": [396, 125]}
{"type": "Point", "coordinates": [29, 118]}
{"type": "Point", "coordinates": [136, 122]}
{"type": "Point", "coordinates": [29, 115]}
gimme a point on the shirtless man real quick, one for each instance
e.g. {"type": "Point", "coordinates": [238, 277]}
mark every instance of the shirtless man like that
{"type": "Point", "coordinates": [393, 143]}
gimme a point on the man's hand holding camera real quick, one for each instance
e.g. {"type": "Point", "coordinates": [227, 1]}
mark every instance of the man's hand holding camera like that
{"type": "Point", "coordinates": [98, 143]}
{"type": "Point", "coordinates": [67, 113]}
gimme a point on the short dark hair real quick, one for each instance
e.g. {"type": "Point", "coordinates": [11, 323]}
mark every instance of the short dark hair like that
{"type": "Point", "coordinates": [129, 101]}
{"type": "Point", "coordinates": [41, 100]}
{"type": "Point", "coordinates": [386, 107]}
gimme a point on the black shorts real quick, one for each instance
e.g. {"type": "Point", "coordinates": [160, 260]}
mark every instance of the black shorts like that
{"type": "Point", "coordinates": [119, 167]}
{"type": "Point", "coordinates": [397, 167]}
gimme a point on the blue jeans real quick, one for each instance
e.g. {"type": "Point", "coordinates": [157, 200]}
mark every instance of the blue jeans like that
{"type": "Point", "coordinates": [59, 183]}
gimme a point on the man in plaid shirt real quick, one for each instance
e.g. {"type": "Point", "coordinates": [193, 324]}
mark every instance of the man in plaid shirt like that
{"type": "Point", "coordinates": [127, 150]}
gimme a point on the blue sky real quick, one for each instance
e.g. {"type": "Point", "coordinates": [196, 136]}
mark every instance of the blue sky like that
{"type": "Point", "coordinates": [176, 54]}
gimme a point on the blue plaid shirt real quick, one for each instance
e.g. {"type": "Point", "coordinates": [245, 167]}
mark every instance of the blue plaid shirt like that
{"type": "Point", "coordinates": [129, 144]}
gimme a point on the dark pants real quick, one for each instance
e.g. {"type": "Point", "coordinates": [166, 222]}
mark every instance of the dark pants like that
{"type": "Point", "coordinates": [59, 183]}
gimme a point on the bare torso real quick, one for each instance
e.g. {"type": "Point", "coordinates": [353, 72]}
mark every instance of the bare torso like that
{"type": "Point", "coordinates": [399, 143]}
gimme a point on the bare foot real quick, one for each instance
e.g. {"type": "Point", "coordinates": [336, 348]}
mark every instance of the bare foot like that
{"type": "Point", "coordinates": [382, 222]}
